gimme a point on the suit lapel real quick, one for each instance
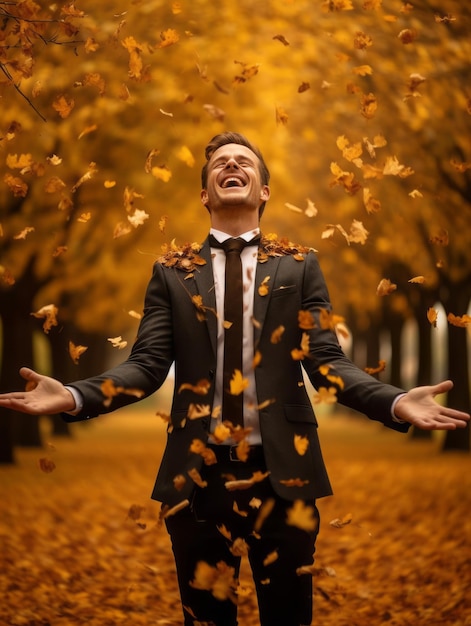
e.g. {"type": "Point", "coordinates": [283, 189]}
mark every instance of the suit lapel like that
{"type": "Point", "coordinates": [264, 275]}
{"type": "Point", "coordinates": [204, 280]}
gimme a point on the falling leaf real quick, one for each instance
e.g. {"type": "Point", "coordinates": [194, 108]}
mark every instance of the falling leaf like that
{"type": "Point", "coordinates": [236, 485]}
{"type": "Point", "coordinates": [325, 395]}
{"type": "Point", "coordinates": [385, 287]}
{"type": "Point", "coordinates": [294, 482]}
{"type": "Point", "coordinates": [368, 105]}
{"type": "Point", "coordinates": [298, 354]}
{"type": "Point", "coordinates": [84, 217]}
{"type": "Point", "coordinates": [238, 383]}
{"type": "Point", "coordinates": [109, 390]}
{"type": "Point", "coordinates": [215, 112]}
{"type": "Point", "coordinates": [199, 447]}
{"type": "Point", "coordinates": [263, 289]}
{"type": "Point", "coordinates": [138, 218]}
{"type": "Point", "coordinates": [86, 131]}
{"type": "Point", "coordinates": [408, 35]}
{"type": "Point", "coordinates": [281, 116]}
{"type": "Point", "coordinates": [306, 320]}
{"type": "Point", "coordinates": [24, 233]}
{"type": "Point", "coordinates": [118, 342]}
{"type": "Point", "coordinates": [432, 316]}
{"type": "Point", "coordinates": [219, 580]}
{"type": "Point", "coordinates": [91, 171]}
{"type": "Point", "coordinates": [49, 313]}
{"type": "Point", "coordinates": [461, 321]}
{"type": "Point", "coordinates": [196, 411]}
{"type": "Point", "coordinates": [161, 172]}
{"type": "Point", "coordinates": [301, 444]}
{"type": "Point", "coordinates": [341, 522]}
{"type": "Point", "coordinates": [372, 205]}
{"type": "Point", "coordinates": [76, 351]}
{"type": "Point", "coordinates": [304, 86]}
{"type": "Point", "coordinates": [196, 478]}
{"type": "Point", "coordinates": [277, 334]}
{"type": "Point", "coordinates": [440, 238]}
{"type": "Point", "coordinates": [362, 41]}
{"type": "Point", "coordinates": [302, 516]}
{"type": "Point", "coordinates": [63, 105]}
{"type": "Point", "coordinates": [46, 465]}
{"type": "Point", "coordinates": [420, 280]}
{"type": "Point", "coordinates": [271, 558]}
{"type": "Point", "coordinates": [185, 155]}
{"type": "Point", "coordinates": [168, 38]}
{"type": "Point", "coordinates": [16, 185]}
{"type": "Point", "coordinates": [201, 388]}
{"type": "Point", "coordinates": [281, 39]}
{"type": "Point", "coordinates": [394, 168]}
{"type": "Point", "coordinates": [376, 370]}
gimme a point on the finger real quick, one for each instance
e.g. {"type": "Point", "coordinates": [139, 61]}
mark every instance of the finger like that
{"type": "Point", "coordinates": [30, 375]}
{"type": "Point", "coordinates": [442, 387]}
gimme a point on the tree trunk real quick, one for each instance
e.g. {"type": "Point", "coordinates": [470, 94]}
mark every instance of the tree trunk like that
{"type": "Point", "coordinates": [458, 368]}
{"type": "Point", "coordinates": [17, 351]}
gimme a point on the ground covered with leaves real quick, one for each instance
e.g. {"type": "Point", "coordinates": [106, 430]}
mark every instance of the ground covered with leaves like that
{"type": "Point", "coordinates": [81, 543]}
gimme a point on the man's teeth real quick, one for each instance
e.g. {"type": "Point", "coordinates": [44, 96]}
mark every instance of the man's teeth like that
{"type": "Point", "coordinates": [232, 182]}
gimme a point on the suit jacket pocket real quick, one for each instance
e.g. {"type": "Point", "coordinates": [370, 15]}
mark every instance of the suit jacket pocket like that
{"type": "Point", "coordinates": [300, 413]}
{"type": "Point", "coordinates": [284, 290]}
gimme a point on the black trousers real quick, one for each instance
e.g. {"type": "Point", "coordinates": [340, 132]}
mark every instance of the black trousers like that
{"type": "Point", "coordinates": [209, 538]}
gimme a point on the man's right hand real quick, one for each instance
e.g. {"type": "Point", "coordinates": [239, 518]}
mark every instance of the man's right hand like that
{"type": "Point", "coordinates": [43, 395]}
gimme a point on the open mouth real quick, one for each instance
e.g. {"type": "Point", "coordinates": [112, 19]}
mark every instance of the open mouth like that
{"type": "Point", "coordinates": [232, 182]}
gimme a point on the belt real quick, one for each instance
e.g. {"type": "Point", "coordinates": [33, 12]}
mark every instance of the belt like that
{"type": "Point", "coordinates": [225, 453]}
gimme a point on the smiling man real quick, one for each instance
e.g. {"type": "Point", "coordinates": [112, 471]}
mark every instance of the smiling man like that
{"type": "Point", "coordinates": [242, 468]}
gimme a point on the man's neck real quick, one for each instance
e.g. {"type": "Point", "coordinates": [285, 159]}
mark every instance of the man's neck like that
{"type": "Point", "coordinates": [235, 226]}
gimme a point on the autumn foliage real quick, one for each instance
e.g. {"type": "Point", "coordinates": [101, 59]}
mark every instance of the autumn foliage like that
{"type": "Point", "coordinates": [362, 109]}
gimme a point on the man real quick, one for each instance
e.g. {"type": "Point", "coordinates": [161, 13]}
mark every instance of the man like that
{"type": "Point", "coordinates": [232, 487]}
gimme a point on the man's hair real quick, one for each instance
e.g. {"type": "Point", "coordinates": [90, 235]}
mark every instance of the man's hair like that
{"type": "Point", "coordinates": [226, 138]}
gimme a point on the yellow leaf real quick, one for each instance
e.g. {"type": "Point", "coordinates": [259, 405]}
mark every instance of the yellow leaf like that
{"type": "Point", "coordinates": [385, 287]}
{"type": "Point", "coordinates": [432, 316]}
{"type": "Point", "coordinates": [168, 38]}
{"type": "Point", "coordinates": [49, 313]}
{"type": "Point", "coordinates": [185, 155]}
{"type": "Point", "coordinates": [76, 351]}
{"type": "Point", "coordinates": [326, 395]}
{"type": "Point", "coordinates": [238, 383]}
{"type": "Point", "coordinates": [301, 444]}
{"type": "Point", "coordinates": [302, 516]}
{"type": "Point", "coordinates": [461, 321]}
{"type": "Point", "coordinates": [161, 172]}
{"type": "Point", "coordinates": [63, 105]}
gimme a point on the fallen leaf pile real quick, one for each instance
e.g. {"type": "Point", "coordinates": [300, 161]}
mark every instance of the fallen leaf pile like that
{"type": "Point", "coordinates": [81, 543]}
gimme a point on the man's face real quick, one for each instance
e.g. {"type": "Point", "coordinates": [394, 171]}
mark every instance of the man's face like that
{"type": "Point", "coordinates": [234, 179]}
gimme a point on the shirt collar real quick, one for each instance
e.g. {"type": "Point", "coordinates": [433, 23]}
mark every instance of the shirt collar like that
{"type": "Point", "coordinates": [222, 236]}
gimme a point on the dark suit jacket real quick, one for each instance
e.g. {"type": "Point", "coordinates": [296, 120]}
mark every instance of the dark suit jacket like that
{"type": "Point", "coordinates": [178, 328]}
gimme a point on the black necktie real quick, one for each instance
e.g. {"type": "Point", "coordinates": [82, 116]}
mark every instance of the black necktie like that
{"type": "Point", "coordinates": [233, 404]}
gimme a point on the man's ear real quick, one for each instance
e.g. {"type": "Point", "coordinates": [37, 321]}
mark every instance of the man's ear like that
{"type": "Point", "coordinates": [265, 193]}
{"type": "Point", "coordinates": [204, 198]}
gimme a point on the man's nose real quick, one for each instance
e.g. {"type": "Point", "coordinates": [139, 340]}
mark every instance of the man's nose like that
{"type": "Point", "coordinates": [232, 163]}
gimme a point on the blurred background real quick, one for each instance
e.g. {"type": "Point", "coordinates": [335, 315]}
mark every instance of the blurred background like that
{"type": "Point", "coordinates": [362, 110]}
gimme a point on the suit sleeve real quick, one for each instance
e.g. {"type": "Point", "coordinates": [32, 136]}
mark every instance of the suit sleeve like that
{"type": "Point", "coordinates": [355, 388]}
{"type": "Point", "coordinates": [146, 368]}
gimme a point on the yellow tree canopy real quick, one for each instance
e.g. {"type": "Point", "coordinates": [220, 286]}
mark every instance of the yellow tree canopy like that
{"type": "Point", "coordinates": [361, 107]}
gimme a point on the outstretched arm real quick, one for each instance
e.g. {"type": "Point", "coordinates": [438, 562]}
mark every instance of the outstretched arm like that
{"type": "Point", "coordinates": [419, 408]}
{"type": "Point", "coordinates": [47, 395]}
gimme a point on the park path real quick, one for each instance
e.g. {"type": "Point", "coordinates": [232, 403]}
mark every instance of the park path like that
{"type": "Point", "coordinates": [81, 544]}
